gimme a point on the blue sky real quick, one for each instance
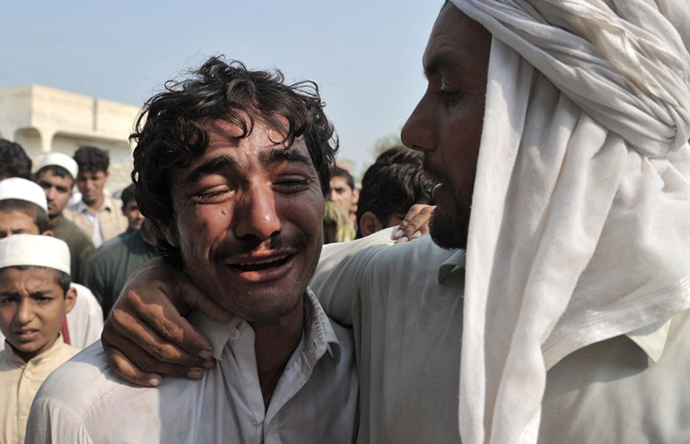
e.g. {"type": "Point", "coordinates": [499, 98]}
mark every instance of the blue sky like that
{"type": "Point", "coordinates": [365, 55]}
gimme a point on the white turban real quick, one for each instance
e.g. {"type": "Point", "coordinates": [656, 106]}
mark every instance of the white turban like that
{"type": "Point", "coordinates": [580, 223]}
{"type": "Point", "coordinates": [34, 250]}
{"type": "Point", "coordinates": [61, 160]}
{"type": "Point", "coordinates": [22, 189]}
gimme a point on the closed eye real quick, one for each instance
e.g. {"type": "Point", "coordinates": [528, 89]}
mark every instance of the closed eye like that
{"type": "Point", "coordinates": [292, 184]}
{"type": "Point", "coordinates": [449, 96]}
{"type": "Point", "coordinates": [210, 195]}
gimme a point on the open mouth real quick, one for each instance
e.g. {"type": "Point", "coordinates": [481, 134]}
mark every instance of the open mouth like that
{"type": "Point", "coordinates": [25, 335]}
{"type": "Point", "coordinates": [265, 264]}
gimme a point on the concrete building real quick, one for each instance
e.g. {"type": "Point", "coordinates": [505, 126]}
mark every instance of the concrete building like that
{"type": "Point", "coordinates": [45, 120]}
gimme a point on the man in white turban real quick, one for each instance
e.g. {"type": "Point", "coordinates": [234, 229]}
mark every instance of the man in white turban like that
{"type": "Point", "coordinates": [558, 310]}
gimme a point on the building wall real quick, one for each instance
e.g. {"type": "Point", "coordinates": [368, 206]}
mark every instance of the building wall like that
{"type": "Point", "coordinates": [44, 120]}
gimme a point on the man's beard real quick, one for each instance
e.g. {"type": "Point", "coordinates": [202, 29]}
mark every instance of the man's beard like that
{"type": "Point", "coordinates": [449, 230]}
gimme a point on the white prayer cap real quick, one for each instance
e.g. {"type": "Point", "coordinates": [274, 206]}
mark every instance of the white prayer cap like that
{"type": "Point", "coordinates": [22, 189]}
{"type": "Point", "coordinates": [34, 250]}
{"type": "Point", "coordinates": [62, 160]}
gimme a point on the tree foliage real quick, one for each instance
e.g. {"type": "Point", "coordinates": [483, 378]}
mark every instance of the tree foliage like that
{"type": "Point", "coordinates": [385, 143]}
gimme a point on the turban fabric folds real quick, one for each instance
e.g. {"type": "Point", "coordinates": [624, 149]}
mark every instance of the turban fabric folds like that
{"type": "Point", "coordinates": [580, 223]}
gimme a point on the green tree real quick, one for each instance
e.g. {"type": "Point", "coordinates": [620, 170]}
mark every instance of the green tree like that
{"type": "Point", "coordinates": [385, 143]}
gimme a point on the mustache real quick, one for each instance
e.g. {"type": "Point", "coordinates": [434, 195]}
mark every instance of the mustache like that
{"type": "Point", "coordinates": [433, 171]}
{"type": "Point", "coordinates": [248, 246]}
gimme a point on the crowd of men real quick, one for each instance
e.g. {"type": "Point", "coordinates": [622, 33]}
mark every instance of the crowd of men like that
{"type": "Point", "coordinates": [549, 304]}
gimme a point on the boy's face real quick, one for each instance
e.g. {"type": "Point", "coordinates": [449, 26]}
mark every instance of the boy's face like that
{"type": "Point", "coordinates": [16, 222]}
{"type": "Point", "coordinates": [32, 306]}
{"type": "Point", "coordinates": [58, 191]}
{"type": "Point", "coordinates": [133, 215]}
{"type": "Point", "coordinates": [91, 184]}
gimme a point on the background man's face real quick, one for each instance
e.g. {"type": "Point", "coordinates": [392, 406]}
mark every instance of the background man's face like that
{"type": "Point", "coordinates": [16, 222]}
{"type": "Point", "coordinates": [133, 215]}
{"type": "Point", "coordinates": [341, 193]}
{"type": "Point", "coordinates": [58, 191]}
{"type": "Point", "coordinates": [32, 306]}
{"type": "Point", "coordinates": [90, 184]}
{"type": "Point", "coordinates": [248, 221]}
{"type": "Point", "coordinates": [447, 123]}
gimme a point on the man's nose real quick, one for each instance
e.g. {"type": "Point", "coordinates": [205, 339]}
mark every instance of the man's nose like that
{"type": "Point", "coordinates": [421, 128]}
{"type": "Point", "coordinates": [256, 215]}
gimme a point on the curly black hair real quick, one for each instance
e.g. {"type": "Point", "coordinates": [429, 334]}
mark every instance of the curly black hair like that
{"type": "Point", "coordinates": [394, 183]}
{"type": "Point", "coordinates": [170, 131]}
{"type": "Point", "coordinates": [13, 161]}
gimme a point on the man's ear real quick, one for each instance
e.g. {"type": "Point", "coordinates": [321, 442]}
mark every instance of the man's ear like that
{"type": "Point", "coordinates": [168, 232]}
{"type": "Point", "coordinates": [48, 233]}
{"type": "Point", "coordinates": [369, 223]}
{"type": "Point", "coordinates": [70, 299]}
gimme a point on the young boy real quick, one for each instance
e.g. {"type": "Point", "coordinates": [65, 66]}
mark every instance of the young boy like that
{"type": "Point", "coordinates": [23, 210]}
{"type": "Point", "coordinates": [98, 214]}
{"type": "Point", "coordinates": [56, 174]}
{"type": "Point", "coordinates": [35, 295]}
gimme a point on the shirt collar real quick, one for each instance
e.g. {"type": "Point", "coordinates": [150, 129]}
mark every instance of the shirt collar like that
{"type": "Point", "coordinates": [319, 336]}
{"type": "Point", "coordinates": [652, 339]}
{"type": "Point", "coordinates": [52, 351]}
{"type": "Point", "coordinates": [456, 260]}
{"type": "Point", "coordinates": [107, 205]}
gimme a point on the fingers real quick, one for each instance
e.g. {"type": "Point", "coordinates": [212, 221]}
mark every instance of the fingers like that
{"type": "Point", "coordinates": [145, 335]}
{"type": "Point", "coordinates": [151, 378]}
{"type": "Point", "coordinates": [415, 224]}
{"type": "Point", "coordinates": [127, 370]}
{"type": "Point", "coordinates": [158, 330]}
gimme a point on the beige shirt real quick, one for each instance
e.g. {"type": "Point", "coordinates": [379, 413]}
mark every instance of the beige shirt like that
{"type": "Point", "coordinates": [107, 223]}
{"type": "Point", "coordinates": [315, 400]}
{"type": "Point", "coordinates": [406, 305]}
{"type": "Point", "coordinates": [84, 322]}
{"type": "Point", "coordinates": [19, 382]}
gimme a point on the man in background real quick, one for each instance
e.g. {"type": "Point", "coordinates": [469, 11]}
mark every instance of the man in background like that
{"type": "Point", "coordinates": [56, 174]}
{"type": "Point", "coordinates": [130, 209]}
{"type": "Point", "coordinates": [97, 214]}
{"type": "Point", "coordinates": [342, 194]}
{"type": "Point", "coordinates": [108, 269]}
{"type": "Point", "coordinates": [343, 190]}
{"type": "Point", "coordinates": [390, 186]}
